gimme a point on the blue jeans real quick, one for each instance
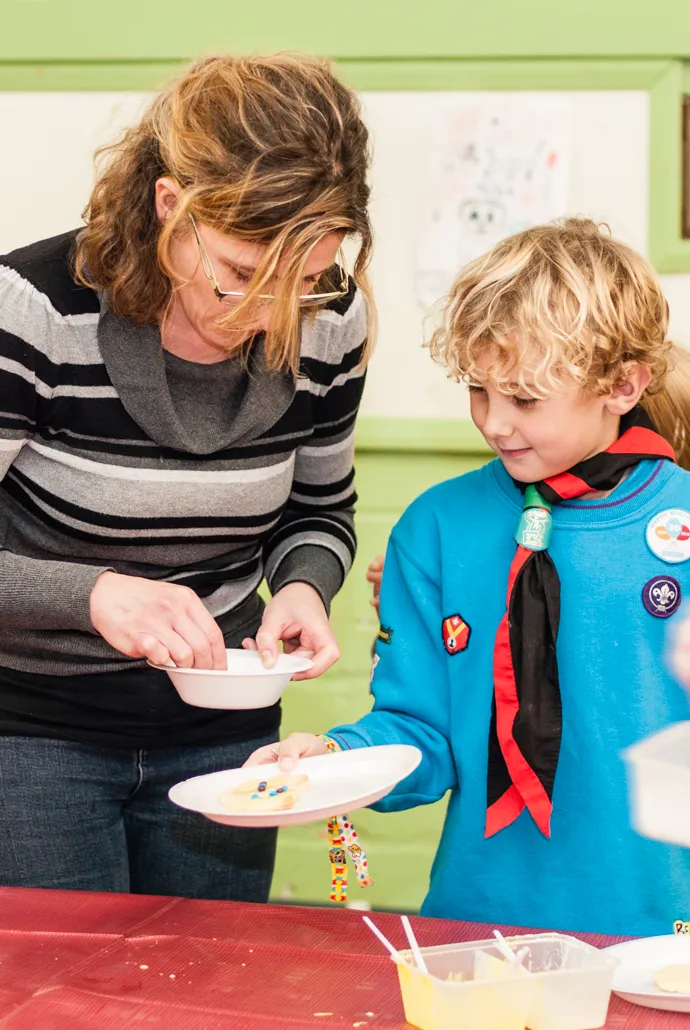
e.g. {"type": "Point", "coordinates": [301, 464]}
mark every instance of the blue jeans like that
{"type": "Point", "coordinates": [80, 817]}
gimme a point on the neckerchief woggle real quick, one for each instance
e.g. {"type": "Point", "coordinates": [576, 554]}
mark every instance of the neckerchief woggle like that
{"type": "Point", "coordinates": [526, 716]}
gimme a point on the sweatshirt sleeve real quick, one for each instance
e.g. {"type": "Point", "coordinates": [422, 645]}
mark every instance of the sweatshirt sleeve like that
{"type": "Point", "coordinates": [315, 541]}
{"type": "Point", "coordinates": [410, 682]}
{"type": "Point", "coordinates": [34, 593]}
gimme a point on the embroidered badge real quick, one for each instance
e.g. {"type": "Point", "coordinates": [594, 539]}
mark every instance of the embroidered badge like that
{"type": "Point", "coordinates": [456, 634]}
{"type": "Point", "coordinates": [385, 635]}
{"type": "Point", "coordinates": [668, 535]}
{"type": "Point", "coordinates": [661, 596]}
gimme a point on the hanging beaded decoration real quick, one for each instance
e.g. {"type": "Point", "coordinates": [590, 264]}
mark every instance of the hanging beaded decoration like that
{"type": "Point", "coordinates": [343, 840]}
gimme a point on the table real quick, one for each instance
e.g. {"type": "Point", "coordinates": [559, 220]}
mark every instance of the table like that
{"type": "Point", "coordinates": [84, 961]}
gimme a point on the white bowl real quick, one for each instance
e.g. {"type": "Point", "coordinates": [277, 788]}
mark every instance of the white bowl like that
{"type": "Point", "coordinates": [659, 785]}
{"type": "Point", "coordinates": [244, 684]}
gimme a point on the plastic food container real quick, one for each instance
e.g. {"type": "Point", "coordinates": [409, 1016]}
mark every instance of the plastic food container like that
{"type": "Point", "coordinates": [245, 683]}
{"type": "Point", "coordinates": [659, 785]}
{"type": "Point", "coordinates": [568, 987]}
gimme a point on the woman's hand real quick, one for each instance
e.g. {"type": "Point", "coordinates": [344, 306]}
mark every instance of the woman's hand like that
{"type": "Point", "coordinates": [289, 751]}
{"type": "Point", "coordinates": [159, 621]}
{"type": "Point", "coordinates": [375, 575]}
{"type": "Point", "coordinates": [296, 616]}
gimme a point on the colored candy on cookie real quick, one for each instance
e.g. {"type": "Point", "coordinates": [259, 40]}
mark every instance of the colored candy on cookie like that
{"type": "Point", "coordinates": [273, 795]}
{"type": "Point", "coordinates": [264, 802]}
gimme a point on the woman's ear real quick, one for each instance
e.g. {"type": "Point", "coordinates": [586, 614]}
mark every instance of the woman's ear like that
{"type": "Point", "coordinates": [167, 194]}
{"type": "Point", "coordinates": [626, 393]}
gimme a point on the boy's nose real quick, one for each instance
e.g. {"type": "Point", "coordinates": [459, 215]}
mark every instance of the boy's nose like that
{"type": "Point", "coordinates": [497, 424]}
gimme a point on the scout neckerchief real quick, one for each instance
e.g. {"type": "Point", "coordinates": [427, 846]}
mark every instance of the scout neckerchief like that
{"type": "Point", "coordinates": [525, 733]}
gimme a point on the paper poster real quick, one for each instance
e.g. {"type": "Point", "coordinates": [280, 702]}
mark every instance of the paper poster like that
{"type": "Point", "coordinates": [496, 166]}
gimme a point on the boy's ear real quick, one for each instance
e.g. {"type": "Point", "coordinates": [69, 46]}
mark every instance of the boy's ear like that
{"type": "Point", "coordinates": [626, 393]}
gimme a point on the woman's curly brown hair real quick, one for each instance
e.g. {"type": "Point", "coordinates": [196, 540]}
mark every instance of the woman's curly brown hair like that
{"type": "Point", "coordinates": [271, 149]}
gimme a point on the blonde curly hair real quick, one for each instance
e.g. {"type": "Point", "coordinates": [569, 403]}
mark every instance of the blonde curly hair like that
{"type": "Point", "coordinates": [561, 301]}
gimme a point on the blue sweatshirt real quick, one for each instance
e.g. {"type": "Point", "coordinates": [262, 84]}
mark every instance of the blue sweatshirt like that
{"type": "Point", "coordinates": [449, 555]}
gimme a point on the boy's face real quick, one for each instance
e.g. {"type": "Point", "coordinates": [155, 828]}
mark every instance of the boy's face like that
{"type": "Point", "coordinates": [536, 439]}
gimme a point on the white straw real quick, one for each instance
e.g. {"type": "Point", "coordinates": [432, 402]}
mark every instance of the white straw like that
{"type": "Point", "coordinates": [504, 947]}
{"type": "Point", "coordinates": [521, 955]}
{"type": "Point", "coordinates": [507, 951]}
{"type": "Point", "coordinates": [384, 940]}
{"type": "Point", "coordinates": [414, 946]}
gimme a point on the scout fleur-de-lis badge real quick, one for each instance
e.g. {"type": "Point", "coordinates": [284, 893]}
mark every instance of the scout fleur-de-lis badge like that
{"type": "Point", "coordinates": [456, 634]}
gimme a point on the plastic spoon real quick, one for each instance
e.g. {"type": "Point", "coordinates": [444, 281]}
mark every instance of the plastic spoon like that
{"type": "Point", "coordinates": [414, 946]}
{"type": "Point", "coordinates": [507, 952]}
{"type": "Point", "coordinates": [384, 940]}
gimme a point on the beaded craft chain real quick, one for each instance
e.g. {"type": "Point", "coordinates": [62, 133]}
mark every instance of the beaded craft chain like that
{"type": "Point", "coordinates": [342, 838]}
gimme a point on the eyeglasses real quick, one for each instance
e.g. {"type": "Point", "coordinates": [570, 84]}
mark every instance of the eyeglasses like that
{"type": "Point", "coordinates": [305, 300]}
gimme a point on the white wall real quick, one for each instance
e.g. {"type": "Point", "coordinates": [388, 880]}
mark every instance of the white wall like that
{"type": "Point", "coordinates": [46, 146]}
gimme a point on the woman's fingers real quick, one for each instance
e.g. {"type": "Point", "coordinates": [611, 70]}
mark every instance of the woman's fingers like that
{"type": "Point", "coordinates": [196, 639]}
{"type": "Point", "coordinates": [213, 641]}
{"type": "Point", "coordinates": [268, 638]}
{"type": "Point", "coordinates": [323, 658]}
{"type": "Point", "coordinates": [138, 615]}
{"type": "Point", "coordinates": [147, 646]}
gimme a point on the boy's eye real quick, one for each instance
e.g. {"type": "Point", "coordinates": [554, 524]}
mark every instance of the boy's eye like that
{"type": "Point", "coordinates": [524, 402]}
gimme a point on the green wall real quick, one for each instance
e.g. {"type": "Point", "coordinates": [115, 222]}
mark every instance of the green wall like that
{"type": "Point", "coordinates": [69, 30]}
{"type": "Point", "coordinates": [396, 461]}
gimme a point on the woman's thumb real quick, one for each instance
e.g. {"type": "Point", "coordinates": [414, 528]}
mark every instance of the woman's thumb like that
{"type": "Point", "coordinates": [267, 645]}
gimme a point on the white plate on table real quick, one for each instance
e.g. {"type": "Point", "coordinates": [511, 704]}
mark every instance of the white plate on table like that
{"type": "Point", "coordinates": [244, 684]}
{"type": "Point", "coordinates": [639, 960]}
{"type": "Point", "coordinates": [338, 783]}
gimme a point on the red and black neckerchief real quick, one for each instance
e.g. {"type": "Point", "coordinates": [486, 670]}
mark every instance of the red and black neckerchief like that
{"type": "Point", "coordinates": [526, 717]}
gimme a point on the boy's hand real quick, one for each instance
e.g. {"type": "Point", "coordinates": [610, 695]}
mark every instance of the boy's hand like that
{"type": "Point", "coordinates": [289, 751]}
{"type": "Point", "coordinates": [374, 575]}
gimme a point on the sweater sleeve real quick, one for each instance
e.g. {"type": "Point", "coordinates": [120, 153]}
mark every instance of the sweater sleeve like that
{"type": "Point", "coordinates": [315, 541]}
{"type": "Point", "coordinates": [34, 593]}
{"type": "Point", "coordinates": [410, 681]}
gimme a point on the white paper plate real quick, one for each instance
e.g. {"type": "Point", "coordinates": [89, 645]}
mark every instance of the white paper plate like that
{"type": "Point", "coordinates": [639, 960]}
{"type": "Point", "coordinates": [340, 782]}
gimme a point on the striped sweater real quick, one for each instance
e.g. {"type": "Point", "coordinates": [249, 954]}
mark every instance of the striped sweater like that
{"type": "Point", "coordinates": [99, 469]}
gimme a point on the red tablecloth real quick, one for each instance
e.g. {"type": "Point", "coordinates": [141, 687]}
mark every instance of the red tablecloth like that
{"type": "Point", "coordinates": [100, 961]}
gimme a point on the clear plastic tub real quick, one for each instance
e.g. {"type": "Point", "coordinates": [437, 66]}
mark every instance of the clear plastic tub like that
{"type": "Point", "coordinates": [659, 784]}
{"type": "Point", "coordinates": [569, 987]}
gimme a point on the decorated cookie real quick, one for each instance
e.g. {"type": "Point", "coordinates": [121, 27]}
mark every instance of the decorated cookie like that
{"type": "Point", "coordinates": [295, 784]}
{"type": "Point", "coordinates": [673, 979]}
{"type": "Point", "coordinates": [258, 803]}
{"type": "Point", "coordinates": [271, 795]}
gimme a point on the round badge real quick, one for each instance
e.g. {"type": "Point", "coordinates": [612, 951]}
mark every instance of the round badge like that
{"type": "Point", "coordinates": [668, 535]}
{"type": "Point", "coordinates": [661, 596]}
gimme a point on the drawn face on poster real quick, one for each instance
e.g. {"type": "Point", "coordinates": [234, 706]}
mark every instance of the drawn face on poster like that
{"type": "Point", "coordinates": [496, 166]}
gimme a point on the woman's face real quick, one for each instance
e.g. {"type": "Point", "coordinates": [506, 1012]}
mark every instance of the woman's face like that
{"type": "Point", "coordinates": [233, 261]}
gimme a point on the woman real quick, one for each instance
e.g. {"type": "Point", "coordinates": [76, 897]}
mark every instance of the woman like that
{"type": "Point", "coordinates": [180, 381]}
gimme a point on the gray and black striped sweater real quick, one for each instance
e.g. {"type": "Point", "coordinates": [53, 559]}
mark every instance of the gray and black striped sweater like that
{"type": "Point", "coordinates": [99, 468]}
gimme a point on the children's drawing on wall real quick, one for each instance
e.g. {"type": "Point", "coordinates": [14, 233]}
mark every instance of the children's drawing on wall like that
{"type": "Point", "coordinates": [496, 166]}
